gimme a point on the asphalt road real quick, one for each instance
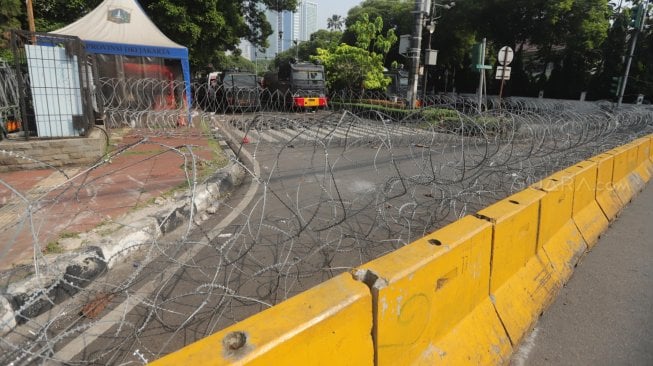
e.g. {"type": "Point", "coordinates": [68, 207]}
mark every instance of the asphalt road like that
{"type": "Point", "coordinates": [604, 315]}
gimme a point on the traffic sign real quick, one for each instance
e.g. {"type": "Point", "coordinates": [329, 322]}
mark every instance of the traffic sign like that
{"type": "Point", "coordinates": [503, 73]}
{"type": "Point", "coordinates": [505, 55]}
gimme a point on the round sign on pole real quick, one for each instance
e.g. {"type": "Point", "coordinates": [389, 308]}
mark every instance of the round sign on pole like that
{"type": "Point", "coordinates": [505, 55]}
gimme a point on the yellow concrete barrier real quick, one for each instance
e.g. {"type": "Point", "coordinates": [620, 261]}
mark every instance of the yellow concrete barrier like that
{"type": "Point", "coordinates": [625, 181]}
{"type": "Point", "coordinates": [330, 324]}
{"type": "Point", "coordinates": [431, 300]}
{"type": "Point", "coordinates": [644, 165]}
{"type": "Point", "coordinates": [606, 195]}
{"type": "Point", "coordinates": [522, 283]}
{"type": "Point", "coordinates": [558, 235]}
{"type": "Point", "coordinates": [586, 212]}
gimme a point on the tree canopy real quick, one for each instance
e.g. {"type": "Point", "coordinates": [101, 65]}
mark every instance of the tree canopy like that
{"type": "Point", "coordinates": [359, 66]}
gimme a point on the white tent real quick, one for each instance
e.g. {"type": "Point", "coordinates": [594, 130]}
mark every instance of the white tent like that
{"type": "Point", "coordinates": [121, 28]}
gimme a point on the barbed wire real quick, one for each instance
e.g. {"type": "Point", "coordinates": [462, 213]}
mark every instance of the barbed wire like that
{"type": "Point", "coordinates": [326, 190]}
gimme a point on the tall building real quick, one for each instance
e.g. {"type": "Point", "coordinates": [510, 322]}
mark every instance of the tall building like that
{"type": "Point", "coordinates": [294, 26]}
{"type": "Point", "coordinates": [308, 19]}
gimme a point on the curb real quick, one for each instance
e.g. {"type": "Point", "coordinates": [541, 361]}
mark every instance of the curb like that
{"type": "Point", "coordinates": [69, 273]}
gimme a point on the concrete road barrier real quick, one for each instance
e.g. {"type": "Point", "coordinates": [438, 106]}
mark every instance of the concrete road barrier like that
{"type": "Point", "coordinates": [586, 212]}
{"type": "Point", "coordinates": [558, 235]}
{"type": "Point", "coordinates": [626, 180]}
{"type": "Point", "coordinates": [644, 165]}
{"type": "Point", "coordinates": [330, 324]}
{"type": "Point", "coordinates": [522, 281]}
{"type": "Point", "coordinates": [606, 195]}
{"type": "Point", "coordinates": [431, 300]}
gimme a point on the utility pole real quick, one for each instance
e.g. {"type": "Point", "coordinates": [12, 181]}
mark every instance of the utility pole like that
{"type": "Point", "coordinates": [639, 24]}
{"type": "Point", "coordinates": [30, 20]}
{"type": "Point", "coordinates": [414, 53]}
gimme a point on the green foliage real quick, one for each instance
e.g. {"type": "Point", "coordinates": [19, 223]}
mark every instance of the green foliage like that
{"type": "Point", "coordinates": [208, 28]}
{"type": "Point", "coordinates": [435, 115]}
{"type": "Point", "coordinates": [50, 15]}
{"type": "Point", "coordinates": [53, 247]}
{"type": "Point", "coordinates": [475, 126]}
{"type": "Point", "coordinates": [369, 35]}
{"type": "Point", "coordinates": [10, 14]}
{"type": "Point", "coordinates": [361, 108]}
{"type": "Point", "coordinates": [359, 67]}
{"type": "Point", "coordinates": [211, 27]}
{"type": "Point", "coordinates": [349, 67]}
{"type": "Point", "coordinates": [224, 62]}
{"type": "Point", "coordinates": [396, 17]}
{"type": "Point", "coordinates": [304, 50]}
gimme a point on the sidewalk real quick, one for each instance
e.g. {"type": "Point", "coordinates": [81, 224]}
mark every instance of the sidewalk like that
{"type": "Point", "coordinates": [47, 209]}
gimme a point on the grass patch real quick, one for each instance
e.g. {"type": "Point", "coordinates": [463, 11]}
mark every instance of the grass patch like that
{"type": "Point", "coordinates": [53, 247]}
{"type": "Point", "coordinates": [68, 235]}
{"type": "Point", "coordinates": [106, 227]}
{"type": "Point", "coordinates": [361, 108]}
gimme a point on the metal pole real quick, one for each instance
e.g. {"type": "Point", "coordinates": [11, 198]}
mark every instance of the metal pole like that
{"type": "Point", "coordinates": [481, 79]}
{"type": "Point", "coordinates": [630, 58]}
{"type": "Point", "coordinates": [426, 74]}
{"type": "Point", "coordinates": [414, 53]}
{"type": "Point", "coordinates": [503, 76]}
{"type": "Point", "coordinates": [431, 29]}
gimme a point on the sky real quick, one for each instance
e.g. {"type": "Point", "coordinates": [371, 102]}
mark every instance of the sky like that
{"type": "Point", "coordinates": [326, 8]}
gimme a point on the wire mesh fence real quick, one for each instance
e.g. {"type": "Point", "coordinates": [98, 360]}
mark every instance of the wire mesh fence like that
{"type": "Point", "coordinates": [325, 190]}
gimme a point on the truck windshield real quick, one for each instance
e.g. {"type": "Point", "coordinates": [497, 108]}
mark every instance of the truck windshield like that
{"type": "Point", "coordinates": [308, 75]}
{"type": "Point", "coordinates": [240, 80]}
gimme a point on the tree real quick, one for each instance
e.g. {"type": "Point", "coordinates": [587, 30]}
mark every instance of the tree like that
{"type": "Point", "coordinates": [565, 33]}
{"type": "Point", "coordinates": [396, 15]}
{"type": "Point", "coordinates": [581, 30]}
{"type": "Point", "coordinates": [50, 15]}
{"type": "Point", "coordinates": [360, 66]}
{"type": "Point", "coordinates": [640, 80]}
{"type": "Point", "coordinates": [352, 68]}
{"type": "Point", "coordinates": [335, 23]}
{"type": "Point", "coordinates": [304, 50]}
{"type": "Point", "coordinates": [9, 19]}
{"type": "Point", "coordinates": [211, 27]}
{"type": "Point", "coordinates": [225, 62]}
{"type": "Point", "coordinates": [612, 50]}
